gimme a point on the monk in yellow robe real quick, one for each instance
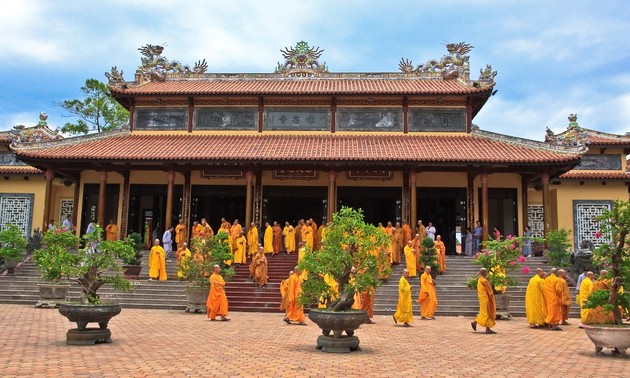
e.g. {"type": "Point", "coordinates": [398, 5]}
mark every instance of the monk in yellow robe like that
{"type": "Point", "coordinates": [294, 312]}
{"type": "Point", "coordinates": [553, 300]}
{"type": "Point", "coordinates": [239, 253]}
{"type": "Point", "coordinates": [197, 229]}
{"type": "Point", "coordinates": [330, 281]}
{"type": "Point", "coordinates": [225, 226]}
{"type": "Point", "coordinates": [397, 244]}
{"type": "Point", "coordinates": [416, 250]}
{"type": "Point", "coordinates": [301, 251]}
{"type": "Point", "coordinates": [205, 230]}
{"type": "Point", "coordinates": [410, 259]}
{"type": "Point", "coordinates": [111, 230]}
{"type": "Point", "coordinates": [284, 289]}
{"type": "Point", "coordinates": [307, 235]}
{"type": "Point", "coordinates": [487, 304]}
{"type": "Point", "coordinates": [427, 297]}
{"type": "Point", "coordinates": [289, 237]}
{"type": "Point", "coordinates": [403, 309]}
{"type": "Point", "coordinates": [252, 239]}
{"type": "Point", "coordinates": [217, 300]}
{"type": "Point", "coordinates": [157, 262]}
{"type": "Point", "coordinates": [440, 248]}
{"type": "Point", "coordinates": [183, 257]}
{"type": "Point", "coordinates": [535, 309]}
{"type": "Point", "coordinates": [406, 233]}
{"type": "Point", "coordinates": [277, 238]}
{"type": "Point", "coordinates": [566, 296]}
{"type": "Point", "coordinates": [180, 233]}
{"type": "Point", "coordinates": [598, 314]}
{"type": "Point", "coordinates": [586, 288]}
{"type": "Point", "coordinates": [323, 230]}
{"type": "Point", "coordinates": [268, 238]}
{"type": "Point", "coordinates": [258, 269]}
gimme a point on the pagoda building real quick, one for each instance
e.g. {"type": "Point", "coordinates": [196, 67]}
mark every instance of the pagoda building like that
{"type": "Point", "coordinates": [303, 141]}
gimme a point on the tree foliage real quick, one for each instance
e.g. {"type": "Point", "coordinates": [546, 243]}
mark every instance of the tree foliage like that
{"type": "Point", "coordinates": [98, 111]}
{"type": "Point", "coordinates": [558, 245]}
{"type": "Point", "coordinates": [206, 253]}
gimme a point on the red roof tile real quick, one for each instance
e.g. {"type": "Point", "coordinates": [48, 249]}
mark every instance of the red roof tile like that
{"type": "Point", "coordinates": [599, 138]}
{"type": "Point", "coordinates": [466, 149]}
{"type": "Point", "coordinates": [579, 175]}
{"type": "Point", "coordinates": [311, 86]}
{"type": "Point", "coordinates": [20, 170]}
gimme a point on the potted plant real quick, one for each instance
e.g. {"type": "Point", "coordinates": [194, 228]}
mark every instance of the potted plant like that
{"type": "Point", "coordinates": [501, 258]}
{"type": "Point", "coordinates": [133, 263]}
{"type": "Point", "coordinates": [50, 261]}
{"type": "Point", "coordinates": [428, 256]}
{"type": "Point", "coordinates": [615, 256]}
{"type": "Point", "coordinates": [349, 255]}
{"type": "Point", "coordinates": [558, 245]}
{"type": "Point", "coordinates": [206, 253]}
{"type": "Point", "coordinates": [92, 267]}
{"type": "Point", "coordinates": [12, 247]}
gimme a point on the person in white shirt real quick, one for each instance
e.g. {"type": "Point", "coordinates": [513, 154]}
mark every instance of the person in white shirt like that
{"type": "Point", "coordinates": [431, 231]}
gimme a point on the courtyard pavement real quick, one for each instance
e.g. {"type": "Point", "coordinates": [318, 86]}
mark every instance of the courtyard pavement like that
{"type": "Point", "coordinates": [162, 343]}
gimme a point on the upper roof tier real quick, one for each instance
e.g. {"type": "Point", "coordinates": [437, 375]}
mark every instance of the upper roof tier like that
{"type": "Point", "coordinates": [575, 135]}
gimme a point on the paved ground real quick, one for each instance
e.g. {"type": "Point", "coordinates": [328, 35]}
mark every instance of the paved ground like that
{"type": "Point", "coordinates": [172, 343]}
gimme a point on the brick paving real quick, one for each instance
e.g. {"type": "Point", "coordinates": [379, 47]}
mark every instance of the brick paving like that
{"type": "Point", "coordinates": [173, 343]}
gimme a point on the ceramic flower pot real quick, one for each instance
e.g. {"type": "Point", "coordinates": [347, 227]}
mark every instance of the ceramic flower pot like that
{"type": "Point", "coordinates": [337, 322]}
{"type": "Point", "coordinates": [616, 337]}
{"type": "Point", "coordinates": [50, 295]}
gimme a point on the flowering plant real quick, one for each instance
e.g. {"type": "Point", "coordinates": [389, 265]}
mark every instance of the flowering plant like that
{"type": "Point", "coordinates": [51, 259]}
{"type": "Point", "coordinates": [500, 258]}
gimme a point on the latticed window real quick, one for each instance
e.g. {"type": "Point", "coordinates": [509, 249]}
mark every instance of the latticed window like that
{"type": "Point", "coordinates": [17, 209]}
{"type": "Point", "coordinates": [535, 220]}
{"type": "Point", "coordinates": [584, 223]}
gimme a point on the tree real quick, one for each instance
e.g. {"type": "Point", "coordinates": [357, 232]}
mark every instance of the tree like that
{"type": "Point", "coordinates": [98, 111]}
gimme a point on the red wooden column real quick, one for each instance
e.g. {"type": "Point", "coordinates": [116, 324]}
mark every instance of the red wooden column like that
{"type": "Point", "coordinates": [544, 178]}
{"type": "Point", "coordinates": [126, 190]}
{"type": "Point", "coordinates": [484, 206]}
{"type": "Point", "coordinates": [100, 217]}
{"type": "Point", "coordinates": [413, 199]}
{"type": "Point", "coordinates": [525, 201]}
{"type": "Point", "coordinates": [50, 176]}
{"type": "Point", "coordinates": [249, 199]}
{"type": "Point", "coordinates": [470, 199]}
{"type": "Point", "coordinates": [332, 195]}
{"type": "Point", "coordinates": [169, 199]}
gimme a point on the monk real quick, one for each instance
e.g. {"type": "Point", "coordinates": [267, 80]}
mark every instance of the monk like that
{"type": "Point", "coordinates": [535, 301]}
{"type": "Point", "coordinates": [284, 288]}
{"type": "Point", "coordinates": [205, 229]}
{"type": "Point", "coordinates": [277, 238]}
{"type": "Point", "coordinates": [301, 251]}
{"type": "Point", "coordinates": [252, 239]}
{"type": "Point", "coordinates": [196, 231]}
{"type": "Point", "coordinates": [323, 230]}
{"type": "Point", "coordinates": [239, 252]}
{"type": "Point", "coordinates": [314, 234]}
{"type": "Point", "coordinates": [421, 230]}
{"type": "Point", "coordinates": [225, 226]}
{"type": "Point", "coordinates": [586, 288]}
{"type": "Point", "coordinates": [217, 300]}
{"type": "Point", "coordinates": [180, 233]}
{"type": "Point", "coordinates": [389, 230]}
{"type": "Point", "coordinates": [330, 281]}
{"type": "Point", "coordinates": [111, 230]}
{"type": "Point", "coordinates": [440, 248]}
{"type": "Point", "coordinates": [268, 238]}
{"type": "Point", "coordinates": [294, 312]}
{"type": "Point", "coordinates": [599, 315]}
{"type": "Point", "coordinates": [298, 231]}
{"type": "Point", "coordinates": [397, 244]}
{"type": "Point", "coordinates": [367, 302]}
{"type": "Point", "coordinates": [566, 296]}
{"type": "Point", "coordinates": [183, 256]}
{"type": "Point", "coordinates": [258, 268]}
{"type": "Point", "coordinates": [157, 262]}
{"type": "Point", "coordinates": [235, 232]}
{"type": "Point", "coordinates": [289, 237]}
{"type": "Point", "coordinates": [410, 259]}
{"type": "Point", "coordinates": [553, 300]}
{"type": "Point", "coordinates": [416, 244]}
{"type": "Point", "coordinates": [487, 305]}
{"type": "Point", "coordinates": [428, 297]}
{"type": "Point", "coordinates": [403, 309]}
{"type": "Point", "coordinates": [406, 232]}
{"type": "Point", "coordinates": [307, 235]}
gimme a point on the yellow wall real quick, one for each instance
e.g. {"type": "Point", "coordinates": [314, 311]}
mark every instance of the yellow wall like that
{"type": "Point", "coordinates": [36, 185]}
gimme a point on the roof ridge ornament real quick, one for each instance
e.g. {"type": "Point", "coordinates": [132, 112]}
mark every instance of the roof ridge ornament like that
{"type": "Point", "coordinates": [155, 67]}
{"type": "Point", "coordinates": [301, 61]}
{"type": "Point", "coordinates": [451, 66]}
{"type": "Point", "coordinates": [574, 136]}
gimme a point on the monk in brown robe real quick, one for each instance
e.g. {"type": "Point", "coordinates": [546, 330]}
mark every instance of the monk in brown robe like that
{"type": "Point", "coordinates": [277, 238]}
{"type": "Point", "coordinates": [258, 268]}
{"type": "Point", "coordinates": [397, 245]}
{"type": "Point", "coordinates": [315, 235]}
{"type": "Point", "coordinates": [566, 296]}
{"type": "Point", "coordinates": [406, 233]}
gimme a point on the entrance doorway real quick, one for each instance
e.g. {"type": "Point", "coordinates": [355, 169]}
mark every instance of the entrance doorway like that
{"type": "Point", "coordinates": [147, 208]}
{"type": "Point", "coordinates": [502, 211]}
{"type": "Point", "coordinates": [446, 209]}
{"type": "Point", "coordinates": [292, 203]}
{"type": "Point", "coordinates": [216, 202]}
{"type": "Point", "coordinates": [378, 204]}
{"type": "Point", "coordinates": [89, 212]}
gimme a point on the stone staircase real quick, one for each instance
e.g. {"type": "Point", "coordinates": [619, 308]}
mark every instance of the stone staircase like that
{"type": "Point", "coordinates": [454, 299]}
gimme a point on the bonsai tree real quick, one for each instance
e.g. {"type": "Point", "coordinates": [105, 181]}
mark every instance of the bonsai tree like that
{"type": "Point", "coordinates": [12, 244]}
{"type": "Point", "coordinates": [97, 264]}
{"type": "Point", "coordinates": [206, 253]}
{"type": "Point", "coordinates": [615, 256]}
{"type": "Point", "coordinates": [428, 255]}
{"type": "Point", "coordinates": [558, 247]}
{"type": "Point", "coordinates": [54, 256]}
{"type": "Point", "coordinates": [348, 255]}
{"type": "Point", "coordinates": [135, 239]}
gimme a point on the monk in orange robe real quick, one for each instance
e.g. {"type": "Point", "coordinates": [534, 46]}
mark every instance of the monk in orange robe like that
{"type": "Point", "coordinates": [298, 232]}
{"type": "Point", "coordinates": [180, 233]}
{"type": "Point", "coordinates": [487, 304]}
{"type": "Point", "coordinates": [295, 312]}
{"type": "Point", "coordinates": [111, 230]}
{"type": "Point", "coordinates": [397, 245]}
{"type": "Point", "coordinates": [553, 300]}
{"type": "Point", "coordinates": [406, 233]}
{"type": "Point", "coordinates": [284, 288]}
{"type": "Point", "coordinates": [315, 235]}
{"type": "Point", "coordinates": [205, 230]}
{"type": "Point", "coordinates": [427, 297]}
{"type": "Point", "coordinates": [307, 235]}
{"type": "Point", "coordinates": [277, 238]}
{"type": "Point", "coordinates": [389, 230]}
{"type": "Point", "coordinates": [440, 248]}
{"type": "Point", "coordinates": [566, 296]}
{"type": "Point", "coordinates": [421, 230]}
{"type": "Point", "coordinates": [235, 231]}
{"type": "Point", "coordinates": [258, 268]}
{"type": "Point", "coordinates": [367, 302]}
{"type": "Point", "coordinates": [197, 229]}
{"type": "Point", "coordinates": [157, 262]}
{"type": "Point", "coordinates": [598, 314]}
{"type": "Point", "coordinates": [225, 226]}
{"type": "Point", "coordinates": [217, 300]}
{"type": "Point", "coordinates": [416, 250]}
{"type": "Point", "coordinates": [252, 239]}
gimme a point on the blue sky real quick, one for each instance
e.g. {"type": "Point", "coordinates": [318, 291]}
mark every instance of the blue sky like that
{"type": "Point", "coordinates": [553, 57]}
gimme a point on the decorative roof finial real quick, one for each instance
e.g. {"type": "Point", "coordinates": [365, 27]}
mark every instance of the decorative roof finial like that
{"type": "Point", "coordinates": [42, 119]}
{"type": "Point", "coordinates": [301, 61]}
{"type": "Point", "coordinates": [155, 67]}
{"type": "Point", "coordinates": [451, 66]}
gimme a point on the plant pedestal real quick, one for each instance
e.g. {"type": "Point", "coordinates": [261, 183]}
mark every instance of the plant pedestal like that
{"type": "Point", "coordinates": [338, 323]}
{"type": "Point", "coordinates": [617, 338]}
{"type": "Point", "coordinates": [503, 306]}
{"type": "Point", "coordinates": [50, 295]}
{"type": "Point", "coordinates": [197, 299]}
{"type": "Point", "coordinates": [83, 314]}
{"type": "Point", "coordinates": [132, 272]}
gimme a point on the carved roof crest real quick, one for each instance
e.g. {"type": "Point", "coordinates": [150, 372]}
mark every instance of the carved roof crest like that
{"type": "Point", "coordinates": [573, 136]}
{"type": "Point", "coordinates": [301, 61]}
{"type": "Point", "coordinates": [155, 67]}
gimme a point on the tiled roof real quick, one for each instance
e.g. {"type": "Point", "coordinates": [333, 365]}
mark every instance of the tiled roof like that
{"type": "Point", "coordinates": [20, 170]}
{"type": "Point", "coordinates": [579, 175]}
{"type": "Point", "coordinates": [310, 86]}
{"type": "Point", "coordinates": [461, 148]}
{"type": "Point", "coordinates": [600, 138]}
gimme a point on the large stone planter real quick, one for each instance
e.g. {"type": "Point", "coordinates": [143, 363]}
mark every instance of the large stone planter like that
{"type": "Point", "coordinates": [615, 337]}
{"type": "Point", "coordinates": [503, 306]}
{"type": "Point", "coordinates": [10, 265]}
{"type": "Point", "coordinates": [132, 272]}
{"type": "Point", "coordinates": [197, 298]}
{"type": "Point", "coordinates": [50, 295]}
{"type": "Point", "coordinates": [337, 323]}
{"type": "Point", "coordinates": [82, 315]}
